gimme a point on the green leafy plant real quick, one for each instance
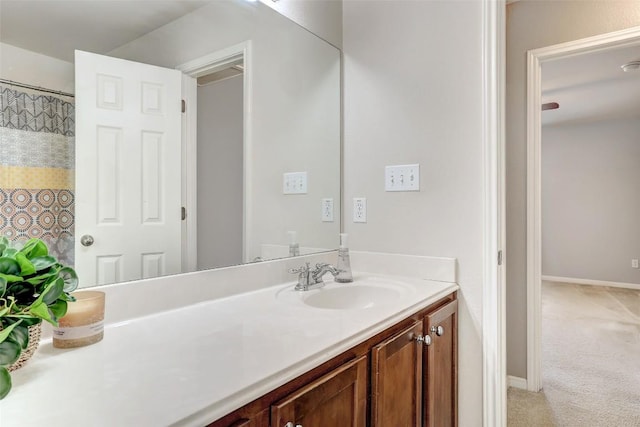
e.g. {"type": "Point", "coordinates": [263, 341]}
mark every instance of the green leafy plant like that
{"type": "Point", "coordinates": [34, 287]}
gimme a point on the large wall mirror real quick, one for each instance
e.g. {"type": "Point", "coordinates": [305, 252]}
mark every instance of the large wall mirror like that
{"type": "Point", "coordinates": [254, 160]}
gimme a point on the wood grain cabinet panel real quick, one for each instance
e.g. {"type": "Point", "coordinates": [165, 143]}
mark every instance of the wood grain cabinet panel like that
{"type": "Point", "coordinates": [441, 367]}
{"type": "Point", "coordinates": [260, 419]}
{"type": "Point", "coordinates": [242, 423]}
{"type": "Point", "coordinates": [396, 380]}
{"type": "Point", "coordinates": [336, 399]}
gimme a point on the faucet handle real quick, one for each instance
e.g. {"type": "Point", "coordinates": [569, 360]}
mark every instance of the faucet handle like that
{"type": "Point", "coordinates": [300, 270]}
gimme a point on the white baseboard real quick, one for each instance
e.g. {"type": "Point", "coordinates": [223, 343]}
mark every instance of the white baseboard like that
{"type": "Point", "coordinates": [591, 282]}
{"type": "Point", "coordinates": [516, 382]}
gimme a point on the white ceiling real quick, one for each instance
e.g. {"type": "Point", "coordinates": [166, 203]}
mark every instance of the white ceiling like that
{"type": "Point", "coordinates": [57, 27]}
{"type": "Point", "coordinates": [591, 87]}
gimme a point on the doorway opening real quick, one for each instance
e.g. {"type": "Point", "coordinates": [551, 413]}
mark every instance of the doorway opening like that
{"type": "Point", "coordinates": [219, 167]}
{"type": "Point", "coordinates": [216, 143]}
{"type": "Point", "coordinates": [535, 60]}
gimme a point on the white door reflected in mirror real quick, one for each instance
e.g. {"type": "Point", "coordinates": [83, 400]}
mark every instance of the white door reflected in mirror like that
{"type": "Point", "coordinates": [128, 191]}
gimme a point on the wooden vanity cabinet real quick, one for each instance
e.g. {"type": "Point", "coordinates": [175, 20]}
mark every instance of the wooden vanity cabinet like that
{"type": "Point", "coordinates": [396, 379]}
{"type": "Point", "coordinates": [390, 380]}
{"type": "Point", "coordinates": [337, 399]}
{"type": "Point", "coordinates": [414, 374]}
{"type": "Point", "coordinates": [243, 423]}
{"type": "Point", "coordinates": [261, 419]}
{"type": "Point", "coordinates": [441, 367]}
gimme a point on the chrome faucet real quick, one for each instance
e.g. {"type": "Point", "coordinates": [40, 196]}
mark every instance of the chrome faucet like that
{"type": "Point", "coordinates": [312, 279]}
{"type": "Point", "coordinates": [321, 269]}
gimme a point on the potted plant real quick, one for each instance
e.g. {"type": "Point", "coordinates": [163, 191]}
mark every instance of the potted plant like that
{"type": "Point", "coordinates": [34, 287]}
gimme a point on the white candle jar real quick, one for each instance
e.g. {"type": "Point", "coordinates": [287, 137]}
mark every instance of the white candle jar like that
{"type": "Point", "coordinates": [84, 322]}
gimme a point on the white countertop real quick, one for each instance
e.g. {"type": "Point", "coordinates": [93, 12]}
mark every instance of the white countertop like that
{"type": "Point", "coordinates": [193, 365]}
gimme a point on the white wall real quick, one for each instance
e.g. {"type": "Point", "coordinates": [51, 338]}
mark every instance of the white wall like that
{"type": "Point", "coordinates": [220, 175]}
{"type": "Point", "coordinates": [412, 94]}
{"type": "Point", "coordinates": [591, 200]}
{"type": "Point", "coordinates": [321, 17]}
{"type": "Point", "coordinates": [533, 24]}
{"type": "Point", "coordinates": [25, 66]}
{"type": "Point", "coordinates": [295, 111]}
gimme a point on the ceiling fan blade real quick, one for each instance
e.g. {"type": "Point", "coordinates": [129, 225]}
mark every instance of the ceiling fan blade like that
{"type": "Point", "coordinates": [550, 106]}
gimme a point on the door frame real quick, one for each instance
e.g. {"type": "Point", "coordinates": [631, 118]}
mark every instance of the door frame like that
{"type": "Point", "coordinates": [494, 371]}
{"type": "Point", "coordinates": [535, 59]}
{"type": "Point", "coordinates": [204, 65]}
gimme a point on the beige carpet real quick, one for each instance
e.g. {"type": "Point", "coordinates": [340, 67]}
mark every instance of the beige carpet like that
{"type": "Point", "coordinates": [590, 360]}
{"type": "Point", "coordinates": [528, 409]}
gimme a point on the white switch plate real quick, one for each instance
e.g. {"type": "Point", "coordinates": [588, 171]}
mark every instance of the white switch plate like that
{"type": "Point", "coordinates": [634, 263]}
{"type": "Point", "coordinates": [294, 183]}
{"type": "Point", "coordinates": [402, 178]}
{"type": "Point", "coordinates": [359, 209]}
{"type": "Point", "coordinates": [327, 210]}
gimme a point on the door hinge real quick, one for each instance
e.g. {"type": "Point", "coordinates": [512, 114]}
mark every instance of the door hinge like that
{"type": "Point", "coordinates": [499, 257]}
{"type": "Point", "coordinates": [183, 106]}
{"type": "Point", "coordinates": [183, 213]}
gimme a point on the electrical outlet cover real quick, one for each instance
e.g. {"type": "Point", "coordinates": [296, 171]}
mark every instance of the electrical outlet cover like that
{"type": "Point", "coordinates": [359, 209]}
{"type": "Point", "coordinates": [327, 210]}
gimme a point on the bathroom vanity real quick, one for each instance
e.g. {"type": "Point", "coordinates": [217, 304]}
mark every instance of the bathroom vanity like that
{"type": "Point", "coordinates": [404, 375]}
{"type": "Point", "coordinates": [240, 347]}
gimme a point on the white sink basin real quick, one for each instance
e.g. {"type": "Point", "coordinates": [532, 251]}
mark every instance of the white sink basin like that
{"type": "Point", "coordinates": [358, 295]}
{"type": "Point", "coordinates": [350, 297]}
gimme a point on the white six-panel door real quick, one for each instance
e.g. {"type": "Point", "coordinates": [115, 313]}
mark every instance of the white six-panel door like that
{"type": "Point", "coordinates": [128, 169]}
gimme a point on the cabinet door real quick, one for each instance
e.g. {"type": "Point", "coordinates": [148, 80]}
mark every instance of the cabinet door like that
{"type": "Point", "coordinates": [441, 367]}
{"type": "Point", "coordinates": [396, 380]}
{"type": "Point", "coordinates": [337, 399]}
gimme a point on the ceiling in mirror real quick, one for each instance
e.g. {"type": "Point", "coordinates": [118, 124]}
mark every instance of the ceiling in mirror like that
{"type": "Point", "coordinates": [56, 28]}
{"type": "Point", "coordinates": [264, 161]}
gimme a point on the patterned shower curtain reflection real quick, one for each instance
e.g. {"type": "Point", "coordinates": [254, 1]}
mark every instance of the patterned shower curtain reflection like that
{"type": "Point", "coordinates": [37, 155]}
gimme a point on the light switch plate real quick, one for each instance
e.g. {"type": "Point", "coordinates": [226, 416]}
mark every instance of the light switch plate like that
{"type": "Point", "coordinates": [402, 178]}
{"type": "Point", "coordinates": [327, 210]}
{"type": "Point", "coordinates": [294, 183]}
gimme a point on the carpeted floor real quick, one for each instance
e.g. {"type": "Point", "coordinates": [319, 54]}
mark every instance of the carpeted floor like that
{"type": "Point", "coordinates": [528, 409]}
{"type": "Point", "coordinates": [590, 360]}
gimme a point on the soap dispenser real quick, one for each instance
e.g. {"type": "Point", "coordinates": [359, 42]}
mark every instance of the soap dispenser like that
{"type": "Point", "coordinates": [294, 247]}
{"type": "Point", "coordinates": [344, 263]}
